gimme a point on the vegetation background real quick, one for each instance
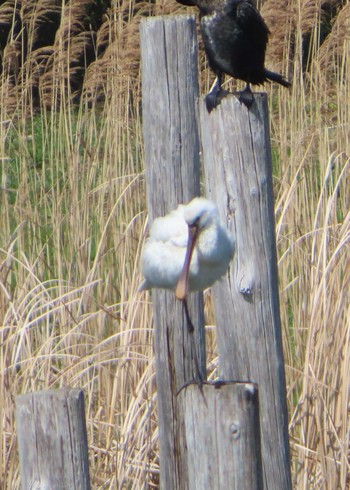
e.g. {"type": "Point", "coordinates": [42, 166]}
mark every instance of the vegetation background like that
{"type": "Point", "coordinates": [73, 221]}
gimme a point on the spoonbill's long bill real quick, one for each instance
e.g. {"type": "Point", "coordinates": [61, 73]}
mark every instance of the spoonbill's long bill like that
{"type": "Point", "coordinates": [187, 250]}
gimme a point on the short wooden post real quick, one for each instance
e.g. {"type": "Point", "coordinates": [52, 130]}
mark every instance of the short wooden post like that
{"type": "Point", "coordinates": [238, 177]}
{"type": "Point", "coordinates": [169, 92]}
{"type": "Point", "coordinates": [223, 436]}
{"type": "Point", "coordinates": [52, 440]}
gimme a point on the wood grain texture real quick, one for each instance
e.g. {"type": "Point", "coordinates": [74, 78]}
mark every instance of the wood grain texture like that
{"type": "Point", "coordinates": [238, 177]}
{"type": "Point", "coordinates": [169, 93]}
{"type": "Point", "coordinates": [52, 440]}
{"type": "Point", "coordinates": [223, 437]}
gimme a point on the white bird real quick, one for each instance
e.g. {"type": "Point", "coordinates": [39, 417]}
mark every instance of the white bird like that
{"type": "Point", "coordinates": [187, 250]}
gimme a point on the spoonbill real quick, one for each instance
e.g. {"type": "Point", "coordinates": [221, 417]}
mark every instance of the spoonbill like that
{"type": "Point", "coordinates": [187, 250]}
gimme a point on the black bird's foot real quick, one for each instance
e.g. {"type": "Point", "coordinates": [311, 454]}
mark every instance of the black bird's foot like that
{"type": "Point", "coordinates": [214, 98]}
{"type": "Point", "coordinates": [246, 97]}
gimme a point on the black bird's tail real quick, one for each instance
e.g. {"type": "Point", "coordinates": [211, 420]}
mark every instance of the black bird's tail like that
{"type": "Point", "coordinates": [276, 77]}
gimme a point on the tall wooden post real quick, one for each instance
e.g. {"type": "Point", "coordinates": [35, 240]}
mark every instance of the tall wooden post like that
{"type": "Point", "coordinates": [169, 93]}
{"type": "Point", "coordinates": [238, 177]}
{"type": "Point", "coordinates": [52, 440]}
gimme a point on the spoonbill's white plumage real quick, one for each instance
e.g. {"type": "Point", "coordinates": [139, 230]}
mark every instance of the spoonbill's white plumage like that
{"type": "Point", "coordinates": [187, 250]}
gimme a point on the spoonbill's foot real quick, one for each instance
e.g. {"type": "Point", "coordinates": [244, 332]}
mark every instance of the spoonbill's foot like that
{"type": "Point", "coordinates": [200, 386]}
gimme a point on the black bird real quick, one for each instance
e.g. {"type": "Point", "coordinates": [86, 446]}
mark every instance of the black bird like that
{"type": "Point", "coordinates": [235, 38]}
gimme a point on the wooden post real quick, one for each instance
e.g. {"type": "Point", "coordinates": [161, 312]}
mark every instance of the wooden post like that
{"type": "Point", "coordinates": [238, 177]}
{"type": "Point", "coordinates": [169, 93]}
{"type": "Point", "coordinates": [52, 440]}
{"type": "Point", "coordinates": [223, 436]}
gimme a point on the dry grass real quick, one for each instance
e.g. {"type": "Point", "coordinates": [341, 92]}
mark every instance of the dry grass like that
{"type": "Point", "coordinates": [73, 220]}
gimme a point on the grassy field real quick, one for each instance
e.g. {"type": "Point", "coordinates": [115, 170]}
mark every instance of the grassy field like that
{"type": "Point", "coordinates": [73, 220]}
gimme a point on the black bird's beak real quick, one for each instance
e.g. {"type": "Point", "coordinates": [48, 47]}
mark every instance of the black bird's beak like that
{"type": "Point", "coordinates": [181, 290]}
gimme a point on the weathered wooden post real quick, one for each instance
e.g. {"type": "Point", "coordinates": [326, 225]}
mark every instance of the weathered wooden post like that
{"type": "Point", "coordinates": [52, 440]}
{"type": "Point", "coordinates": [169, 94]}
{"type": "Point", "coordinates": [223, 436]}
{"type": "Point", "coordinates": [238, 177]}
{"type": "Point", "coordinates": [236, 150]}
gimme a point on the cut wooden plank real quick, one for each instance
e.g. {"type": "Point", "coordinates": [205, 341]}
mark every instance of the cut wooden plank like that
{"type": "Point", "coordinates": [52, 440]}
{"type": "Point", "coordinates": [223, 436]}
{"type": "Point", "coordinates": [238, 177]}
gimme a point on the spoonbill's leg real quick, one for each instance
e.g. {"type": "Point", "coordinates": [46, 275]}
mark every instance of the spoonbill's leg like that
{"type": "Point", "coordinates": [190, 328]}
